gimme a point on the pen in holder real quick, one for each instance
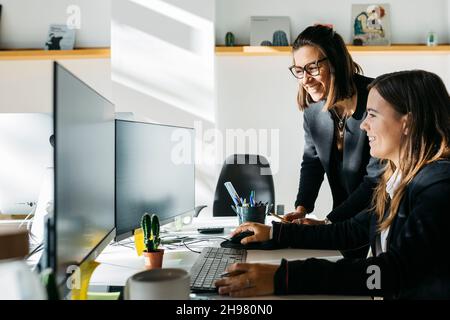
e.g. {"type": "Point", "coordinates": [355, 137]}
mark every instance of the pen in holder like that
{"type": "Point", "coordinates": [257, 213]}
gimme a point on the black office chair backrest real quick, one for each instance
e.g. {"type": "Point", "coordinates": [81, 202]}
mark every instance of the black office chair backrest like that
{"type": "Point", "coordinates": [246, 173]}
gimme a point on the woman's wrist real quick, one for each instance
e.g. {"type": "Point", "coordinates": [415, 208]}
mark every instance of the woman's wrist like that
{"type": "Point", "coordinates": [302, 210]}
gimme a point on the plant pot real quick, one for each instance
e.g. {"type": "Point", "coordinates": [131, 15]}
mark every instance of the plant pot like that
{"type": "Point", "coordinates": [153, 259]}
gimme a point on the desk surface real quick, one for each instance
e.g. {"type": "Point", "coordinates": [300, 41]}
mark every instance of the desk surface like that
{"type": "Point", "coordinates": [120, 261]}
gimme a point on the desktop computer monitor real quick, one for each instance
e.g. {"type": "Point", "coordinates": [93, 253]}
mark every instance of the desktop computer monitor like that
{"type": "Point", "coordinates": [155, 173]}
{"type": "Point", "coordinates": [84, 173]}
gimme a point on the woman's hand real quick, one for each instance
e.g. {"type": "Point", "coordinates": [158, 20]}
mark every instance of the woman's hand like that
{"type": "Point", "coordinates": [261, 232]}
{"type": "Point", "coordinates": [256, 280]}
{"type": "Point", "coordinates": [309, 221]}
{"type": "Point", "coordinates": [299, 213]}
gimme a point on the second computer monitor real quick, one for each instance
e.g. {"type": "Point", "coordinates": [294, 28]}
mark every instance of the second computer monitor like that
{"type": "Point", "coordinates": [155, 173]}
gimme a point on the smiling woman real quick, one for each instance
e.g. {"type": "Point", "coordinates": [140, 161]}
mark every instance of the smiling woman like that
{"type": "Point", "coordinates": [408, 126]}
{"type": "Point", "coordinates": [333, 95]}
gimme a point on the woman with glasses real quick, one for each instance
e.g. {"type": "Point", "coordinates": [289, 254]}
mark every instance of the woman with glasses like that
{"type": "Point", "coordinates": [332, 95]}
{"type": "Point", "coordinates": [408, 125]}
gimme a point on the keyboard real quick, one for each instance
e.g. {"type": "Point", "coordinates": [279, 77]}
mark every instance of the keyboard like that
{"type": "Point", "coordinates": [211, 263]}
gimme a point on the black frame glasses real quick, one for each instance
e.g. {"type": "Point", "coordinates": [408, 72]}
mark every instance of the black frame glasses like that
{"type": "Point", "coordinates": [314, 71]}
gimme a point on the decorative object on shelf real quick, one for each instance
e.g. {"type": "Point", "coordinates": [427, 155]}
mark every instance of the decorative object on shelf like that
{"type": "Point", "coordinates": [60, 37]}
{"type": "Point", "coordinates": [432, 39]}
{"type": "Point", "coordinates": [229, 39]}
{"type": "Point", "coordinates": [371, 24]}
{"type": "Point", "coordinates": [153, 256]}
{"type": "Point", "coordinates": [270, 31]}
{"type": "Point", "coordinates": [280, 39]}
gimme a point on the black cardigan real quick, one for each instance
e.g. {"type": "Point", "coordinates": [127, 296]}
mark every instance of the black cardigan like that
{"type": "Point", "coordinates": [361, 170]}
{"type": "Point", "coordinates": [415, 265]}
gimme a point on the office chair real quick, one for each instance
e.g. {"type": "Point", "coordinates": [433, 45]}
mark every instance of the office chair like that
{"type": "Point", "coordinates": [244, 172]}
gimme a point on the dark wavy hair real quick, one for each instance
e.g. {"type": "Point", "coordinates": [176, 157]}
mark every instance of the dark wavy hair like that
{"type": "Point", "coordinates": [342, 67]}
{"type": "Point", "coordinates": [424, 98]}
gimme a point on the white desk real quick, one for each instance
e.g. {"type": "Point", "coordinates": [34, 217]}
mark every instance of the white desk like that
{"type": "Point", "coordinates": [118, 263]}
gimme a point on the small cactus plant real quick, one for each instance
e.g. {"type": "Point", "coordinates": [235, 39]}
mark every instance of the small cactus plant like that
{"type": "Point", "coordinates": [150, 228]}
{"type": "Point", "coordinates": [229, 39]}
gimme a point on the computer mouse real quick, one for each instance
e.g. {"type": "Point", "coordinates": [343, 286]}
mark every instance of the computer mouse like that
{"type": "Point", "coordinates": [238, 237]}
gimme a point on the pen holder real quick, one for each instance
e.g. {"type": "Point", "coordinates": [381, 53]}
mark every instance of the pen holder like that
{"type": "Point", "coordinates": [251, 214]}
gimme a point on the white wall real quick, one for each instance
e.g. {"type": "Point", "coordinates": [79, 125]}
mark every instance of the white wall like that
{"type": "Point", "coordinates": [25, 23]}
{"type": "Point", "coordinates": [27, 86]}
{"type": "Point", "coordinates": [410, 19]}
{"type": "Point", "coordinates": [163, 70]}
{"type": "Point", "coordinates": [377, 64]}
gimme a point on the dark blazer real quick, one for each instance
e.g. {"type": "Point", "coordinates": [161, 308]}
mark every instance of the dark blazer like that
{"type": "Point", "coordinates": [361, 170]}
{"type": "Point", "coordinates": [415, 265]}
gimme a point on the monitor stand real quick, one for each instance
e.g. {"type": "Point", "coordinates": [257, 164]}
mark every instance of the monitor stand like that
{"type": "Point", "coordinates": [139, 241]}
{"type": "Point", "coordinates": [84, 273]}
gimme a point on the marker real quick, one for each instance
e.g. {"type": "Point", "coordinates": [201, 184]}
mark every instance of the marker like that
{"type": "Point", "coordinates": [233, 194]}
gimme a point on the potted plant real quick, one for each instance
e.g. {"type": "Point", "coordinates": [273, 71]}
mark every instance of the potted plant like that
{"type": "Point", "coordinates": [153, 256]}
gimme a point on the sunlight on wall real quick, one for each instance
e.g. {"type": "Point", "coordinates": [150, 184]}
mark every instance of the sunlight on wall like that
{"type": "Point", "coordinates": [162, 57]}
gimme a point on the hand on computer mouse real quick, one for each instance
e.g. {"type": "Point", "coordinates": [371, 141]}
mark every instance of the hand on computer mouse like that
{"type": "Point", "coordinates": [237, 238]}
{"type": "Point", "coordinates": [261, 232]}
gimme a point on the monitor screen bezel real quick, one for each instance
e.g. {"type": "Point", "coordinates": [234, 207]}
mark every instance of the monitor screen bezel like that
{"type": "Point", "coordinates": [110, 235]}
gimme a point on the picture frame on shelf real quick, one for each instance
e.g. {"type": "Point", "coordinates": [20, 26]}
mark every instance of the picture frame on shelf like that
{"type": "Point", "coordinates": [371, 24]}
{"type": "Point", "coordinates": [60, 37]}
{"type": "Point", "coordinates": [270, 31]}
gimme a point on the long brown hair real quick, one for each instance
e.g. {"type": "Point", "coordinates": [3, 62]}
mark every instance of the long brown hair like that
{"type": "Point", "coordinates": [342, 66]}
{"type": "Point", "coordinates": [424, 98]}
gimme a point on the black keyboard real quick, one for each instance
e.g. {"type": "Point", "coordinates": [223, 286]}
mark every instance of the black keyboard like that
{"type": "Point", "coordinates": [211, 263]}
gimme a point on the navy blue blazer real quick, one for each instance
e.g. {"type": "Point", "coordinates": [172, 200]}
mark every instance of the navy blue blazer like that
{"type": "Point", "coordinates": [359, 168]}
{"type": "Point", "coordinates": [415, 265]}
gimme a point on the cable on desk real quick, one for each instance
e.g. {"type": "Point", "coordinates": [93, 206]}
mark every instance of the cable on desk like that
{"type": "Point", "coordinates": [35, 250]}
{"type": "Point", "coordinates": [200, 240]}
{"type": "Point", "coordinates": [118, 265]}
{"type": "Point", "coordinates": [129, 244]}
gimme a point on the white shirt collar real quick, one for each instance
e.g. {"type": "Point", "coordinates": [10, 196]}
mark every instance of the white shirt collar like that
{"type": "Point", "coordinates": [393, 182]}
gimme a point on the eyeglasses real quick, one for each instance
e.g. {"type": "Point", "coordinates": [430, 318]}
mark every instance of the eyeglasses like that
{"type": "Point", "coordinates": [312, 68]}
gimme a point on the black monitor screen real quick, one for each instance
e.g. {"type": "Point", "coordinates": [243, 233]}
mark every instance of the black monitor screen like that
{"type": "Point", "coordinates": [84, 170]}
{"type": "Point", "coordinates": [155, 173]}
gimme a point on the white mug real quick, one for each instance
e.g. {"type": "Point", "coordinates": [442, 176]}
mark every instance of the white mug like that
{"type": "Point", "coordinates": [158, 284]}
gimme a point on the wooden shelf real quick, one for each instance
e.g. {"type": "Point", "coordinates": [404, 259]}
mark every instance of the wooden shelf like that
{"type": "Point", "coordinates": [273, 51]}
{"type": "Point", "coordinates": [34, 54]}
{"type": "Point", "coordinates": [401, 48]}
